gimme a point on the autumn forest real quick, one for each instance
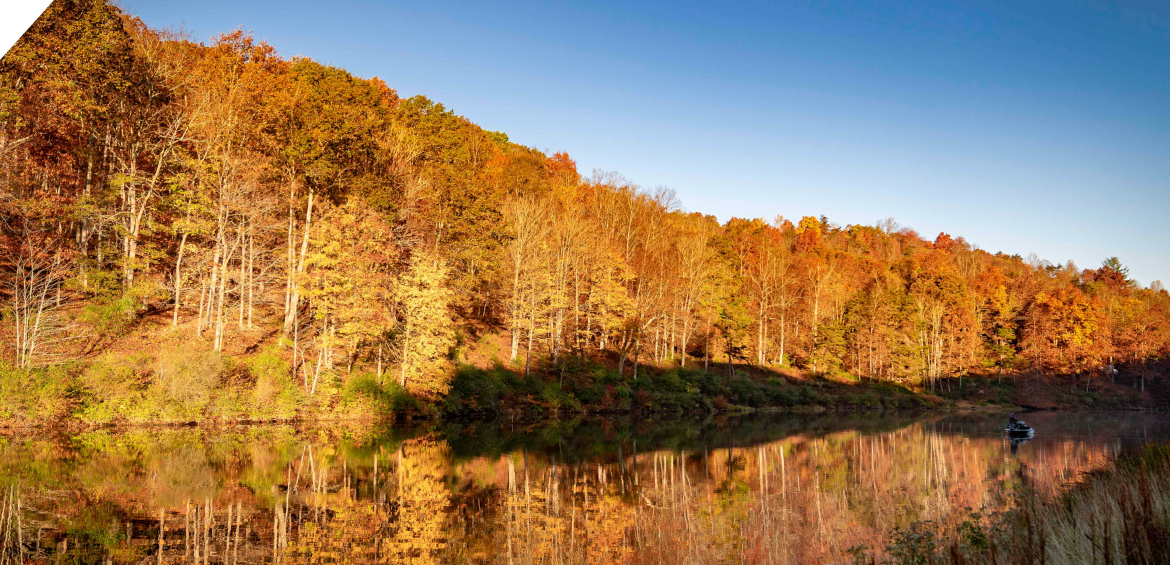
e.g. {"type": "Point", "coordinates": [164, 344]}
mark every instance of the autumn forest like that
{"type": "Point", "coordinates": [199, 227]}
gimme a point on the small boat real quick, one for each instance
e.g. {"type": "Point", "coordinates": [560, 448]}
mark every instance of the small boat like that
{"type": "Point", "coordinates": [1019, 429]}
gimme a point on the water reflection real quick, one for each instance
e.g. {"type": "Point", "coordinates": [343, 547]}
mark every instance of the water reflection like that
{"type": "Point", "coordinates": [756, 489]}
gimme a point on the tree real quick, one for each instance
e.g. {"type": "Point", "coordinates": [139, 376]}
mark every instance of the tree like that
{"type": "Point", "coordinates": [328, 137]}
{"type": "Point", "coordinates": [697, 264]}
{"type": "Point", "coordinates": [1063, 322]}
{"type": "Point", "coordinates": [349, 271]}
{"type": "Point", "coordinates": [36, 262]}
{"type": "Point", "coordinates": [426, 333]}
{"type": "Point", "coordinates": [528, 218]}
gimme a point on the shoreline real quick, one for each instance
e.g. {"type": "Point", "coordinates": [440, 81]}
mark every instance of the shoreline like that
{"type": "Point", "coordinates": [74, 425]}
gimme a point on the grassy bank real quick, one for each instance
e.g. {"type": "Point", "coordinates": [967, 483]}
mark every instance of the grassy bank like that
{"type": "Point", "coordinates": [157, 380]}
{"type": "Point", "coordinates": [194, 386]}
{"type": "Point", "coordinates": [179, 387]}
{"type": "Point", "coordinates": [593, 387]}
{"type": "Point", "coordinates": [1120, 514]}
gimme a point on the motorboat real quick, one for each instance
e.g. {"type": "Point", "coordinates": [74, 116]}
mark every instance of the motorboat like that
{"type": "Point", "coordinates": [1020, 429]}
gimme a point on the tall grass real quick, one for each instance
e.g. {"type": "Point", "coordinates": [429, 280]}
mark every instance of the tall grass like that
{"type": "Point", "coordinates": [1120, 515]}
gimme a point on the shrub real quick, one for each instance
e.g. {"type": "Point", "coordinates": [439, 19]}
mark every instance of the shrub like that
{"type": "Point", "coordinates": [667, 402]}
{"type": "Point", "coordinates": [38, 395]}
{"type": "Point", "coordinates": [808, 395]}
{"type": "Point", "coordinates": [364, 394]}
{"type": "Point", "coordinates": [556, 397]}
{"type": "Point", "coordinates": [275, 393]}
{"type": "Point", "coordinates": [915, 545]}
{"type": "Point", "coordinates": [111, 316]}
{"type": "Point", "coordinates": [591, 395]}
{"type": "Point", "coordinates": [747, 392]}
{"type": "Point", "coordinates": [670, 381]}
{"type": "Point", "coordinates": [713, 386]}
{"type": "Point", "coordinates": [786, 397]}
{"type": "Point", "coordinates": [401, 402]}
{"type": "Point", "coordinates": [643, 400]}
{"type": "Point", "coordinates": [870, 400]}
{"type": "Point", "coordinates": [187, 376]}
{"type": "Point", "coordinates": [606, 376]}
{"type": "Point", "coordinates": [117, 386]}
{"type": "Point", "coordinates": [609, 400]}
{"type": "Point", "coordinates": [475, 390]}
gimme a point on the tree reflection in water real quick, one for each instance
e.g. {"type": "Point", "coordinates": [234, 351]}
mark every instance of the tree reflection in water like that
{"type": "Point", "coordinates": [758, 489]}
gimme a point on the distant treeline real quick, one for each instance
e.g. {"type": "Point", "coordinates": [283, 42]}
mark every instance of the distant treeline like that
{"type": "Point", "coordinates": [228, 188]}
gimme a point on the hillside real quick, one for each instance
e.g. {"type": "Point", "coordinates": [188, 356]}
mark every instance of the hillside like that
{"type": "Point", "coordinates": [193, 230]}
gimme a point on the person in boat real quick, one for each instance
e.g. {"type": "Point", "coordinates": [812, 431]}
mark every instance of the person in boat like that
{"type": "Point", "coordinates": [1012, 420]}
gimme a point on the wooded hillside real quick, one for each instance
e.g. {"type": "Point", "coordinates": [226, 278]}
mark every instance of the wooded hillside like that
{"type": "Point", "coordinates": [243, 193]}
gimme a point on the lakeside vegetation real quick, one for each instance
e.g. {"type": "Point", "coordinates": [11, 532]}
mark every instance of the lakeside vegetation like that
{"type": "Point", "coordinates": [1118, 514]}
{"type": "Point", "coordinates": [211, 231]}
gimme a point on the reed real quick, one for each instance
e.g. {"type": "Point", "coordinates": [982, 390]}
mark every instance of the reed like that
{"type": "Point", "coordinates": [1119, 514]}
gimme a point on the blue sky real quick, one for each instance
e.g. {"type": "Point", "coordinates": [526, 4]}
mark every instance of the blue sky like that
{"type": "Point", "coordinates": [1023, 126]}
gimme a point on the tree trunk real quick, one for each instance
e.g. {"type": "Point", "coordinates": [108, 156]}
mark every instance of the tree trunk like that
{"type": "Point", "coordinates": [760, 337]}
{"type": "Point", "coordinates": [243, 278]}
{"type": "Point", "coordinates": [317, 369]}
{"type": "Point", "coordinates": [815, 312]}
{"type": "Point", "coordinates": [295, 298]}
{"type": "Point", "coordinates": [405, 362]}
{"type": "Point", "coordinates": [178, 280]}
{"type": "Point", "coordinates": [782, 336]}
{"type": "Point", "coordinates": [219, 321]}
{"type": "Point", "coordinates": [622, 356]}
{"type": "Point", "coordinates": [515, 315]}
{"type": "Point", "coordinates": [637, 351]}
{"type": "Point", "coordinates": [707, 348]}
{"type": "Point", "coordinates": [576, 311]}
{"type": "Point", "coordinates": [730, 367]}
{"type": "Point", "coordinates": [251, 269]}
{"type": "Point", "coordinates": [531, 330]}
{"type": "Point", "coordinates": [202, 301]}
{"type": "Point", "coordinates": [210, 290]}
{"type": "Point", "coordinates": [290, 242]}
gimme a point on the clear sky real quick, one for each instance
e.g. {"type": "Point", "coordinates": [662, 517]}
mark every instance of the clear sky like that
{"type": "Point", "coordinates": [1029, 126]}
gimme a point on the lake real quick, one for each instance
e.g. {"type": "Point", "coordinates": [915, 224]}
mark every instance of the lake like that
{"type": "Point", "coordinates": [754, 488]}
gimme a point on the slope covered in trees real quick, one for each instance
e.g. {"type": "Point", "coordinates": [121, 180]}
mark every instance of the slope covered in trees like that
{"type": "Point", "coordinates": [220, 197]}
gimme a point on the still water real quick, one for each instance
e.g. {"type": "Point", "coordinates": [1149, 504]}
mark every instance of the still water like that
{"type": "Point", "coordinates": [751, 489]}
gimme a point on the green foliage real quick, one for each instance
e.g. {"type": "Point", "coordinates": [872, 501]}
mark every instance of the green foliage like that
{"type": "Point", "coordinates": [808, 395]}
{"type": "Point", "coordinates": [276, 395]}
{"type": "Point", "coordinates": [117, 387]}
{"type": "Point", "coordinates": [915, 545]}
{"type": "Point", "coordinates": [477, 391]}
{"type": "Point", "coordinates": [1114, 264]}
{"type": "Point", "coordinates": [177, 387]}
{"type": "Point", "coordinates": [784, 396]}
{"type": "Point", "coordinates": [387, 398]}
{"type": "Point", "coordinates": [32, 396]}
{"type": "Point", "coordinates": [110, 316]}
{"type": "Point", "coordinates": [830, 348]}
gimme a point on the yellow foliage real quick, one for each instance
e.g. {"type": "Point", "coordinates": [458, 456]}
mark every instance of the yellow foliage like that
{"type": "Point", "coordinates": [426, 331]}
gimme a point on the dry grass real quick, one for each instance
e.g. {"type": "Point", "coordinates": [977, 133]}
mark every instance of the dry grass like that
{"type": "Point", "coordinates": [1117, 515]}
